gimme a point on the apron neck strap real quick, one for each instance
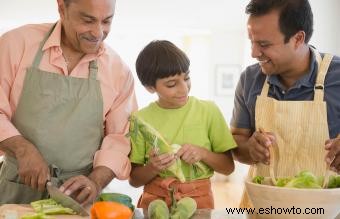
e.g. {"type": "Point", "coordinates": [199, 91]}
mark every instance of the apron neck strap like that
{"type": "Point", "coordinates": [93, 68]}
{"type": "Point", "coordinates": [323, 65]}
{"type": "Point", "coordinates": [39, 54]}
{"type": "Point", "coordinates": [265, 89]}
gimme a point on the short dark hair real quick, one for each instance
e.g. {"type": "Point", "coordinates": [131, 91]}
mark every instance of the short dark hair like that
{"type": "Point", "coordinates": [295, 15]}
{"type": "Point", "coordinates": [160, 59]}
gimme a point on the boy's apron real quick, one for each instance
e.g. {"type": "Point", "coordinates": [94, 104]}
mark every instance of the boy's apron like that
{"type": "Point", "coordinates": [63, 117]}
{"type": "Point", "coordinates": [300, 127]}
{"type": "Point", "coordinates": [159, 188]}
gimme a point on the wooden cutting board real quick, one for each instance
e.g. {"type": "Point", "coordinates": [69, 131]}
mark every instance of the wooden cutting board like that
{"type": "Point", "coordinates": [26, 209]}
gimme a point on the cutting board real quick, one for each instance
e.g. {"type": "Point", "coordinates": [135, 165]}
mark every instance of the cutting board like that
{"type": "Point", "coordinates": [26, 209]}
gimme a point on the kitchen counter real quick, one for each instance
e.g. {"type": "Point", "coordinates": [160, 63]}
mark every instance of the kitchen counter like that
{"type": "Point", "coordinates": [199, 214]}
{"type": "Point", "coordinates": [204, 214]}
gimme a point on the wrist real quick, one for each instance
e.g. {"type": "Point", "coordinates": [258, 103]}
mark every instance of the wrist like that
{"type": "Point", "coordinates": [18, 146]}
{"type": "Point", "coordinates": [101, 176]}
{"type": "Point", "coordinates": [152, 169]}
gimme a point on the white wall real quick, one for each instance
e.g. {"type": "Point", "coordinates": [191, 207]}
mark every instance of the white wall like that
{"type": "Point", "coordinates": [211, 32]}
{"type": "Point", "coordinates": [326, 27]}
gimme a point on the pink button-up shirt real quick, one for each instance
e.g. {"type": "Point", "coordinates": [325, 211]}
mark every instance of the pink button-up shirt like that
{"type": "Point", "coordinates": [17, 50]}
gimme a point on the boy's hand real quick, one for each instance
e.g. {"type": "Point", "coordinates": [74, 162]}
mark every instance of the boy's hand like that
{"type": "Point", "coordinates": [160, 162]}
{"type": "Point", "coordinates": [191, 153]}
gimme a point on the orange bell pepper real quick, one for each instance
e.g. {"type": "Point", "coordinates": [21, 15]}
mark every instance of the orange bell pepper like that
{"type": "Point", "coordinates": [110, 210]}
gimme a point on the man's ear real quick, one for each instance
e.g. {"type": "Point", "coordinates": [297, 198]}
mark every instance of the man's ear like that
{"type": "Point", "coordinates": [61, 8]}
{"type": "Point", "coordinates": [150, 89]}
{"type": "Point", "coordinates": [299, 38]}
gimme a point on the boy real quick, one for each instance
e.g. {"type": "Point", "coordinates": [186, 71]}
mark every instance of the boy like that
{"type": "Point", "coordinates": [196, 125]}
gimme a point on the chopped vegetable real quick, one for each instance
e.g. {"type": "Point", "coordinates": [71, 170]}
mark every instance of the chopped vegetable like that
{"type": "Point", "coordinates": [49, 206]}
{"type": "Point", "coordinates": [305, 179]}
{"type": "Point", "coordinates": [117, 197]}
{"type": "Point", "coordinates": [281, 182]}
{"type": "Point", "coordinates": [334, 182]}
{"type": "Point", "coordinates": [36, 216]}
{"type": "Point", "coordinates": [110, 210]}
{"type": "Point", "coordinates": [158, 209]}
{"type": "Point", "coordinates": [258, 179]}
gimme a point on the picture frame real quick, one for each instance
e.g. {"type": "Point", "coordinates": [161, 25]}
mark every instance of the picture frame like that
{"type": "Point", "coordinates": [226, 79]}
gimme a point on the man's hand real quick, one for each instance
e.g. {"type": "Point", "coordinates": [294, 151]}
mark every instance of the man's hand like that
{"type": "Point", "coordinates": [259, 144]}
{"type": "Point", "coordinates": [81, 188]}
{"type": "Point", "coordinates": [333, 155]}
{"type": "Point", "coordinates": [33, 170]}
{"type": "Point", "coordinates": [86, 189]}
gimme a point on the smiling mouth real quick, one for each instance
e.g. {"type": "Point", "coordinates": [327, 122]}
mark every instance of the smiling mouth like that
{"type": "Point", "coordinates": [182, 98]}
{"type": "Point", "coordinates": [92, 41]}
{"type": "Point", "coordinates": [263, 61]}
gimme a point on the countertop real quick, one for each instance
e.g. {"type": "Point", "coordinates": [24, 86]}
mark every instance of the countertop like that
{"type": "Point", "coordinates": [199, 214]}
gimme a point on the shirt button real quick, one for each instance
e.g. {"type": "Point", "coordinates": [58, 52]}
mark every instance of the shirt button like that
{"type": "Point", "coordinates": [283, 92]}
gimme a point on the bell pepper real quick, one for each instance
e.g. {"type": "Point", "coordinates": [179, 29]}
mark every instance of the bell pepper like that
{"type": "Point", "coordinates": [110, 210]}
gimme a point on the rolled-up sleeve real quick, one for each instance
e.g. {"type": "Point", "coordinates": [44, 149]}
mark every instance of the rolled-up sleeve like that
{"type": "Point", "coordinates": [116, 147]}
{"type": "Point", "coordinates": [8, 53]}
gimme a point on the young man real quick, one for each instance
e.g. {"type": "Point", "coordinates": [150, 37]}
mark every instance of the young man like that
{"type": "Point", "coordinates": [292, 93]}
{"type": "Point", "coordinates": [65, 99]}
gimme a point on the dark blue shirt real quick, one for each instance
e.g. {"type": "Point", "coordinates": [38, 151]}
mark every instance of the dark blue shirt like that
{"type": "Point", "coordinates": [251, 83]}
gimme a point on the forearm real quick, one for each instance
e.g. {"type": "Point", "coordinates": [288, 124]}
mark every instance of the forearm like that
{"type": "Point", "coordinates": [141, 175]}
{"type": "Point", "coordinates": [241, 153]}
{"type": "Point", "coordinates": [101, 176]}
{"type": "Point", "coordinates": [16, 146]}
{"type": "Point", "coordinates": [220, 162]}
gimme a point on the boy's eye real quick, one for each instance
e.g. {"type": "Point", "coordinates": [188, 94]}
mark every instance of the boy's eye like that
{"type": "Point", "coordinates": [171, 85]}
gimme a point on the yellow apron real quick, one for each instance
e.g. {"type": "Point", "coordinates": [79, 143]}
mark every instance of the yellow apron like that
{"type": "Point", "coordinates": [63, 117]}
{"type": "Point", "coordinates": [300, 127]}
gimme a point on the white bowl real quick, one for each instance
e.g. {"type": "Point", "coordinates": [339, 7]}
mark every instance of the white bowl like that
{"type": "Point", "coordinates": [325, 203]}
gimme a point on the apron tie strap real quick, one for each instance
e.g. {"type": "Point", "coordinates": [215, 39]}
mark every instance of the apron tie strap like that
{"type": "Point", "coordinates": [200, 190]}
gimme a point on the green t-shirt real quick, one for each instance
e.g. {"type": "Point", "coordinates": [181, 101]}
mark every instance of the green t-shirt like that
{"type": "Point", "coordinates": [198, 122]}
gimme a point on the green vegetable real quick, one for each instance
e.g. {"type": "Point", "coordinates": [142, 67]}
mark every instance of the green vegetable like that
{"type": "Point", "coordinates": [154, 139]}
{"type": "Point", "coordinates": [305, 179]}
{"type": "Point", "coordinates": [36, 216]}
{"type": "Point", "coordinates": [184, 208]}
{"type": "Point", "coordinates": [158, 209]}
{"type": "Point", "coordinates": [258, 179]}
{"type": "Point", "coordinates": [281, 182]}
{"type": "Point", "coordinates": [334, 182]}
{"type": "Point", "coordinates": [117, 197]}
{"type": "Point", "coordinates": [49, 206]}
{"type": "Point", "coordinates": [338, 181]}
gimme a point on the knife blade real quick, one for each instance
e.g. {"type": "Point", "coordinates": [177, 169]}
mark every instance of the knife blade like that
{"type": "Point", "coordinates": [65, 200]}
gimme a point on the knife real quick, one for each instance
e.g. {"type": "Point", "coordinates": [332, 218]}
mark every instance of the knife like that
{"type": "Point", "coordinates": [65, 200]}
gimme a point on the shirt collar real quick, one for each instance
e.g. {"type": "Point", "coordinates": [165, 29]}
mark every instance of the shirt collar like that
{"type": "Point", "coordinates": [55, 38]}
{"type": "Point", "coordinates": [308, 80]}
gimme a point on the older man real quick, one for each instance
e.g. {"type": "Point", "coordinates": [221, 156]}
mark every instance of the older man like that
{"type": "Point", "coordinates": [65, 98]}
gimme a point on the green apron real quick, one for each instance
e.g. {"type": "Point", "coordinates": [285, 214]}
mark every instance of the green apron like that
{"type": "Point", "coordinates": [63, 117]}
